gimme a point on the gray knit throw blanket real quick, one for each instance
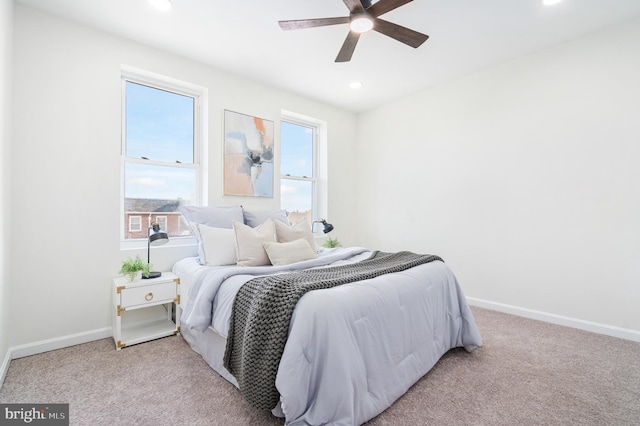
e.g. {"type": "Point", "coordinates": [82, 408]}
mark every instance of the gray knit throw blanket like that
{"type": "Point", "coordinates": [262, 311]}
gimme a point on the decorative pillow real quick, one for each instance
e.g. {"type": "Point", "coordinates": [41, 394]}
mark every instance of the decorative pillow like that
{"type": "Point", "coordinates": [290, 252]}
{"type": "Point", "coordinates": [256, 218]}
{"type": "Point", "coordinates": [217, 247]}
{"type": "Point", "coordinates": [297, 216]}
{"type": "Point", "coordinates": [249, 243]}
{"type": "Point", "coordinates": [217, 217]}
{"type": "Point", "coordinates": [302, 229]}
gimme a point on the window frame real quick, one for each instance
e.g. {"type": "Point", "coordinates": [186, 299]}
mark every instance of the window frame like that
{"type": "Point", "coordinates": [131, 221]}
{"type": "Point", "coordinates": [319, 167]}
{"type": "Point", "coordinates": [199, 165]}
{"type": "Point", "coordinates": [161, 220]}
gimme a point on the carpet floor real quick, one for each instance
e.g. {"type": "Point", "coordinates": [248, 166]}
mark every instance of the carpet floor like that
{"type": "Point", "coordinates": [527, 373]}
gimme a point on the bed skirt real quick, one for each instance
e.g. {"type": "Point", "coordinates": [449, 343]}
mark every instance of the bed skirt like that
{"type": "Point", "coordinates": [211, 346]}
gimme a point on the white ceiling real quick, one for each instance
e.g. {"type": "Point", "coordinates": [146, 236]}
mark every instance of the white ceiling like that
{"type": "Point", "coordinates": [243, 37]}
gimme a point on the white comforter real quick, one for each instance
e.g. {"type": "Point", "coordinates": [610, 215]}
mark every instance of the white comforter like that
{"type": "Point", "coordinates": [353, 349]}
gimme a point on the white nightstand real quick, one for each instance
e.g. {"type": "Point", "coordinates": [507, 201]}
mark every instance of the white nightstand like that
{"type": "Point", "coordinates": [143, 310]}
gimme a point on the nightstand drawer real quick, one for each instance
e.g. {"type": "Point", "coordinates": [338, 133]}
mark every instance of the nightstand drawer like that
{"type": "Point", "coordinates": [148, 294]}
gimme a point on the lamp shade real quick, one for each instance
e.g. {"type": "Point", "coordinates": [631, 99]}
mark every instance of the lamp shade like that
{"type": "Point", "coordinates": [327, 227]}
{"type": "Point", "coordinates": [157, 237]}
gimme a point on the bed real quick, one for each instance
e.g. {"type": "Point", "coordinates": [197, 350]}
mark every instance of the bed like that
{"type": "Point", "coordinates": [353, 349]}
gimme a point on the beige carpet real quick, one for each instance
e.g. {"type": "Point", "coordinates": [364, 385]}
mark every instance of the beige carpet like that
{"type": "Point", "coordinates": [528, 373]}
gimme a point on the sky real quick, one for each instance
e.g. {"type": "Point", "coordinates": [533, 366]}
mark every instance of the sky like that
{"type": "Point", "coordinates": [159, 126]}
{"type": "Point", "coordinates": [296, 154]}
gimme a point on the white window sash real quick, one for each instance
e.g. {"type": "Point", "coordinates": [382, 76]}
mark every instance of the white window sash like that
{"type": "Point", "coordinates": [200, 96]}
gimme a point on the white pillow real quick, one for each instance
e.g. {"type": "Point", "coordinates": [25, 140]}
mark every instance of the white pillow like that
{"type": "Point", "coordinates": [217, 247]}
{"type": "Point", "coordinates": [217, 217]}
{"type": "Point", "coordinates": [249, 243]}
{"type": "Point", "coordinates": [291, 252]}
{"type": "Point", "coordinates": [302, 229]}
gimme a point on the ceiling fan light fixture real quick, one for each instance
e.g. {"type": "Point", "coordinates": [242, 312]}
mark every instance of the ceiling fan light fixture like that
{"type": "Point", "coordinates": [361, 23]}
{"type": "Point", "coordinates": [363, 16]}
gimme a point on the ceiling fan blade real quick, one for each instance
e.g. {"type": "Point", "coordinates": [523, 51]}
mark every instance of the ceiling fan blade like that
{"type": "Point", "coordinates": [400, 33]}
{"type": "Point", "coordinates": [384, 6]}
{"type": "Point", "coordinates": [348, 47]}
{"type": "Point", "coordinates": [354, 6]}
{"type": "Point", "coordinates": [299, 24]}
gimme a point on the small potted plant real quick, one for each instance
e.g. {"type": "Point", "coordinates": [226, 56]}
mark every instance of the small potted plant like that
{"type": "Point", "coordinates": [134, 269]}
{"type": "Point", "coordinates": [331, 243]}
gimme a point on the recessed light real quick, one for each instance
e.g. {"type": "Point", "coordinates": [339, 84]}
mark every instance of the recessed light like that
{"type": "Point", "coordinates": [355, 85]}
{"type": "Point", "coordinates": [550, 2]}
{"type": "Point", "coordinates": [163, 5]}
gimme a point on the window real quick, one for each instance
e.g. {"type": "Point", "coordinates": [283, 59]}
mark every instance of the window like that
{"type": "Point", "coordinates": [162, 221]}
{"type": "Point", "coordinates": [135, 223]}
{"type": "Point", "coordinates": [161, 159]}
{"type": "Point", "coordinates": [302, 175]}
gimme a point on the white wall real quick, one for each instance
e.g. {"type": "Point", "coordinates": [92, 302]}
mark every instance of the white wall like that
{"type": "Point", "coordinates": [6, 30]}
{"type": "Point", "coordinates": [66, 156]}
{"type": "Point", "coordinates": [522, 177]}
{"type": "Point", "coordinates": [525, 178]}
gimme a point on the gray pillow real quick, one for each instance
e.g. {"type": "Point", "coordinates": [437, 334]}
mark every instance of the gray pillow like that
{"type": "Point", "coordinates": [257, 218]}
{"type": "Point", "coordinates": [216, 217]}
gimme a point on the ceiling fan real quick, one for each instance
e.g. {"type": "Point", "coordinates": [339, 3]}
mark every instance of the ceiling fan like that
{"type": "Point", "coordinates": [363, 17]}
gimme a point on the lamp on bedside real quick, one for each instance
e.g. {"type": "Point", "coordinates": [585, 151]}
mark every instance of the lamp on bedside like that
{"type": "Point", "coordinates": [327, 226]}
{"type": "Point", "coordinates": [156, 237]}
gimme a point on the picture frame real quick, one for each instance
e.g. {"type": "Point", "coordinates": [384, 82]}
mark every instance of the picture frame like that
{"type": "Point", "coordinates": [248, 155]}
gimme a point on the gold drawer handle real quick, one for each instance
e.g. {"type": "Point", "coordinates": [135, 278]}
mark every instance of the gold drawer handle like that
{"type": "Point", "coordinates": [149, 297]}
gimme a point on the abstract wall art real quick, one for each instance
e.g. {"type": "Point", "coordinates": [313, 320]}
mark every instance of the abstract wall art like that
{"type": "Point", "coordinates": [248, 155]}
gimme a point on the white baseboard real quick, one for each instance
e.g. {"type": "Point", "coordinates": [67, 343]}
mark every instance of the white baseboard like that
{"type": "Point", "coordinates": [136, 318]}
{"type": "Point", "coordinates": [15, 352]}
{"type": "Point", "coordinates": [607, 330]}
{"type": "Point", "coordinates": [89, 336]}
{"type": "Point", "coordinates": [59, 342]}
{"type": "Point", "coordinates": [5, 366]}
